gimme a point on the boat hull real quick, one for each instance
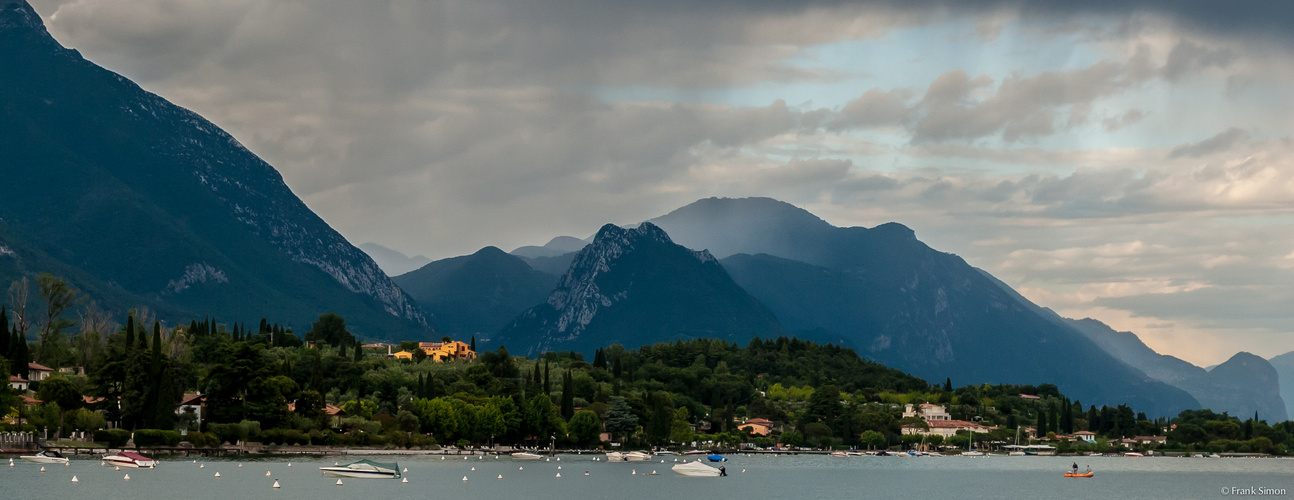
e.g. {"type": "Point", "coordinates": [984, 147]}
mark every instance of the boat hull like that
{"type": "Point", "coordinates": [526, 456]}
{"type": "Point", "coordinates": [696, 469]}
{"type": "Point", "coordinates": [44, 460]}
{"type": "Point", "coordinates": [347, 472]}
{"type": "Point", "coordinates": [1070, 474]}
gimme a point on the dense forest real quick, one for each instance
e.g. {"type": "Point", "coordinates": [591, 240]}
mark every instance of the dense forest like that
{"type": "Point", "coordinates": [265, 384]}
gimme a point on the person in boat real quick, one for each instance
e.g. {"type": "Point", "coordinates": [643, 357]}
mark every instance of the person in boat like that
{"type": "Point", "coordinates": [1075, 466]}
{"type": "Point", "coordinates": [1089, 469]}
{"type": "Point", "coordinates": [723, 471]}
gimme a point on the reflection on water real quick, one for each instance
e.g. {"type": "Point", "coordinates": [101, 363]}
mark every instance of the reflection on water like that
{"type": "Point", "coordinates": [764, 477]}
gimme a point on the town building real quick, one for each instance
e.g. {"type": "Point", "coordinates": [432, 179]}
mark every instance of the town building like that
{"type": "Point", "coordinates": [945, 428]}
{"type": "Point", "coordinates": [1151, 439]}
{"type": "Point", "coordinates": [192, 404]}
{"type": "Point", "coordinates": [1088, 436]}
{"type": "Point", "coordinates": [453, 350]}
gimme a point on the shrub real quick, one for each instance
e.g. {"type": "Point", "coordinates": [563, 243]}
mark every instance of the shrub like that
{"type": "Point", "coordinates": [226, 433]}
{"type": "Point", "coordinates": [112, 438]}
{"type": "Point", "coordinates": [271, 436]}
{"type": "Point", "coordinates": [202, 439]}
{"type": "Point", "coordinates": [156, 437]}
{"type": "Point", "coordinates": [295, 437]}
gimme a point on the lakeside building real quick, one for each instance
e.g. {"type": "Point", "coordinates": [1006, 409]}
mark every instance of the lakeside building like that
{"type": "Point", "coordinates": [1088, 436]}
{"type": "Point", "coordinates": [938, 422]}
{"type": "Point", "coordinates": [192, 404]}
{"type": "Point", "coordinates": [757, 426]}
{"type": "Point", "coordinates": [19, 383]}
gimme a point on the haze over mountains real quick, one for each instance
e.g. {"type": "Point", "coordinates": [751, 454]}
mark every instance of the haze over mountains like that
{"type": "Point", "coordinates": [140, 202]}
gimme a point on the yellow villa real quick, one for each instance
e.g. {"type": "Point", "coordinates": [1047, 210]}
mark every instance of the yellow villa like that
{"type": "Point", "coordinates": [442, 351]}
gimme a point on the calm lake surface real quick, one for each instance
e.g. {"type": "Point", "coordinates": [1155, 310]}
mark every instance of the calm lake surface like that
{"type": "Point", "coordinates": [764, 477]}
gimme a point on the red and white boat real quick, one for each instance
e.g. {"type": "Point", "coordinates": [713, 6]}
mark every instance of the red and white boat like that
{"type": "Point", "coordinates": [131, 460]}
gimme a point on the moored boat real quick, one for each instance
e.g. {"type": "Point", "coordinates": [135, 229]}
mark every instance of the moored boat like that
{"type": "Point", "coordinates": [696, 469]}
{"type": "Point", "coordinates": [716, 458]}
{"type": "Point", "coordinates": [130, 460]}
{"type": "Point", "coordinates": [637, 456]}
{"type": "Point", "coordinates": [45, 457]}
{"type": "Point", "coordinates": [363, 468]}
{"type": "Point", "coordinates": [1085, 474]}
{"type": "Point", "coordinates": [1133, 454]}
{"type": "Point", "coordinates": [525, 455]}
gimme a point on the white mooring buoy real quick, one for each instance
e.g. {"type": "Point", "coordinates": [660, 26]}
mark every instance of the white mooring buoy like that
{"type": "Point", "coordinates": [464, 479]}
{"type": "Point", "coordinates": [521, 468]}
{"type": "Point", "coordinates": [404, 480]}
{"type": "Point", "coordinates": [289, 464]}
{"type": "Point", "coordinates": [339, 482]}
{"type": "Point", "coordinates": [75, 480]}
{"type": "Point", "coordinates": [127, 478]}
{"type": "Point", "coordinates": [267, 473]}
{"type": "Point", "coordinates": [406, 469]}
{"type": "Point", "coordinates": [500, 476]}
{"type": "Point", "coordinates": [217, 474]}
{"type": "Point", "coordinates": [586, 473]}
{"type": "Point", "coordinates": [473, 469]}
{"type": "Point", "coordinates": [67, 464]}
{"type": "Point", "coordinates": [42, 468]}
{"type": "Point", "coordinates": [276, 484]}
{"type": "Point", "coordinates": [240, 466]}
{"type": "Point", "coordinates": [115, 468]}
{"type": "Point", "coordinates": [442, 458]}
{"type": "Point", "coordinates": [635, 473]}
{"type": "Point", "coordinates": [559, 474]}
{"type": "Point", "coordinates": [202, 466]}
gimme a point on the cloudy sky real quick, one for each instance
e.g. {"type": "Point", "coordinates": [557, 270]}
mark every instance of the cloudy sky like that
{"type": "Point", "coordinates": [1128, 161]}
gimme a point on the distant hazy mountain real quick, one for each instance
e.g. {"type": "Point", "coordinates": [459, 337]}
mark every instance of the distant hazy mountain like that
{"type": "Point", "coordinates": [476, 294]}
{"type": "Point", "coordinates": [1240, 386]}
{"type": "Point", "coordinates": [392, 262]}
{"type": "Point", "coordinates": [556, 246]}
{"type": "Point", "coordinates": [906, 305]}
{"type": "Point", "coordinates": [138, 201]}
{"type": "Point", "coordinates": [636, 287]}
{"type": "Point", "coordinates": [1284, 366]}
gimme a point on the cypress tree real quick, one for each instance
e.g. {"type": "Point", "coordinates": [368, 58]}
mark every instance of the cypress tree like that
{"type": "Point", "coordinates": [130, 332]}
{"type": "Point", "coordinates": [193, 327]}
{"type": "Point", "coordinates": [264, 326]}
{"type": "Point", "coordinates": [616, 369]}
{"type": "Point", "coordinates": [548, 389]}
{"type": "Point", "coordinates": [286, 369]}
{"type": "Point", "coordinates": [474, 343]}
{"type": "Point", "coordinates": [568, 396]}
{"type": "Point", "coordinates": [1042, 423]}
{"type": "Point", "coordinates": [4, 333]}
{"type": "Point", "coordinates": [359, 351]}
{"type": "Point", "coordinates": [599, 359]}
{"type": "Point", "coordinates": [143, 339]}
{"type": "Point", "coordinates": [1054, 425]}
{"type": "Point", "coordinates": [157, 337]}
{"type": "Point", "coordinates": [342, 346]}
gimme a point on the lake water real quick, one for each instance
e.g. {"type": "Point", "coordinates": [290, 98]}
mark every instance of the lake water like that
{"type": "Point", "coordinates": [765, 476]}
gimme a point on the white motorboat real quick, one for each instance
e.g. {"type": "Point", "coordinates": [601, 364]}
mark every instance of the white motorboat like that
{"type": "Point", "coordinates": [130, 460]}
{"type": "Point", "coordinates": [631, 456]}
{"type": "Point", "coordinates": [696, 469]}
{"type": "Point", "coordinates": [637, 456]}
{"type": "Point", "coordinates": [45, 457]}
{"type": "Point", "coordinates": [525, 455]}
{"type": "Point", "coordinates": [363, 468]}
{"type": "Point", "coordinates": [973, 453]}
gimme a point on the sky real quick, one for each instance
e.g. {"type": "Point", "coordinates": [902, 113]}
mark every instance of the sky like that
{"type": "Point", "coordinates": [1129, 161]}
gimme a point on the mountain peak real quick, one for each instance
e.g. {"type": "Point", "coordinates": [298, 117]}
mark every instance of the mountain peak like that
{"type": "Point", "coordinates": [17, 15]}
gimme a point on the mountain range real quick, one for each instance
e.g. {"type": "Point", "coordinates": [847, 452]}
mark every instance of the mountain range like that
{"type": "Point", "coordinates": [139, 202]}
{"type": "Point", "coordinates": [392, 262]}
{"type": "Point", "coordinates": [635, 286]}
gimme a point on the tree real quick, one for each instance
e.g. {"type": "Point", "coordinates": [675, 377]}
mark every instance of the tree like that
{"type": "Point", "coordinates": [873, 439]}
{"type": "Point", "coordinates": [585, 428]}
{"type": "Point", "coordinates": [58, 297]}
{"type": "Point", "coordinates": [18, 291]}
{"type": "Point", "coordinates": [329, 329]}
{"type": "Point", "coordinates": [62, 392]}
{"type": "Point", "coordinates": [620, 419]}
{"type": "Point", "coordinates": [568, 396]}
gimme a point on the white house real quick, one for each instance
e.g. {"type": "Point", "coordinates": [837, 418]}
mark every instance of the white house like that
{"type": "Point", "coordinates": [18, 383]}
{"type": "Point", "coordinates": [927, 412]}
{"type": "Point", "coordinates": [191, 403]}
{"type": "Point", "coordinates": [945, 428]}
{"type": "Point", "coordinates": [1088, 436]}
{"type": "Point", "coordinates": [38, 372]}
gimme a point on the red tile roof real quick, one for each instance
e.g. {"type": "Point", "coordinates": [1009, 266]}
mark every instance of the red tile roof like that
{"type": "Point", "coordinates": [192, 399]}
{"type": "Point", "coordinates": [15, 378]}
{"type": "Point", "coordinates": [39, 367]}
